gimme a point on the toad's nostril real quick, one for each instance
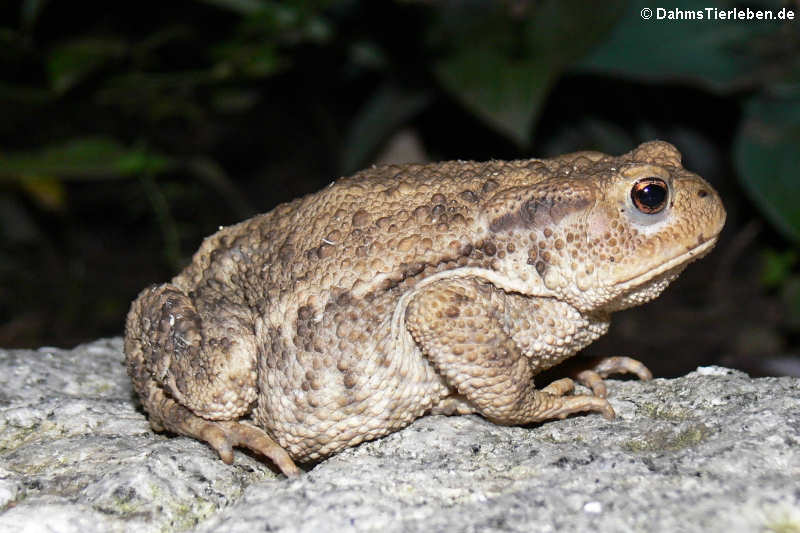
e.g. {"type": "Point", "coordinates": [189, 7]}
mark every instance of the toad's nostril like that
{"type": "Point", "coordinates": [702, 193]}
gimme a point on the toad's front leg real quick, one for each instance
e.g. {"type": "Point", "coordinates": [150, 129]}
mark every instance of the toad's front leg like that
{"type": "Point", "coordinates": [463, 327]}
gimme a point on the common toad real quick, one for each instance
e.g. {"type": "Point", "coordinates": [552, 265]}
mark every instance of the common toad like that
{"type": "Point", "coordinates": [404, 290]}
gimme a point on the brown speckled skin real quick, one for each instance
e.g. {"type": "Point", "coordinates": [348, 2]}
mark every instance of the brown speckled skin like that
{"type": "Point", "coordinates": [403, 290]}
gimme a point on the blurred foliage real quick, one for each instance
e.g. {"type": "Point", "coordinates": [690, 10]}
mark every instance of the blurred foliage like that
{"type": "Point", "coordinates": [82, 158]}
{"type": "Point", "coordinates": [767, 155]}
{"type": "Point", "coordinates": [778, 267]}
{"type": "Point", "coordinates": [147, 109]}
{"type": "Point", "coordinates": [501, 64]}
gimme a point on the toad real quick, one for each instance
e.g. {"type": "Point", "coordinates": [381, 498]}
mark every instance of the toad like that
{"type": "Point", "coordinates": [407, 290]}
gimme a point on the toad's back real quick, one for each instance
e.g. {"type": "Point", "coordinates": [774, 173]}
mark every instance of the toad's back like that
{"type": "Point", "coordinates": [359, 234]}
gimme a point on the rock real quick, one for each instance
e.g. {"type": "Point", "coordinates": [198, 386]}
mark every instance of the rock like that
{"type": "Point", "coordinates": [711, 451]}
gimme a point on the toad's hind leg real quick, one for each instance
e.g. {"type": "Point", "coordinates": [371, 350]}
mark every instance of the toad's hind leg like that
{"type": "Point", "coordinates": [460, 325]}
{"type": "Point", "coordinates": [195, 370]}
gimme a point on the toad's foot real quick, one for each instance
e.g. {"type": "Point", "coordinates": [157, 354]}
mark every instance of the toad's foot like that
{"type": "Point", "coordinates": [224, 435]}
{"type": "Point", "coordinates": [573, 404]}
{"type": "Point", "coordinates": [593, 379]}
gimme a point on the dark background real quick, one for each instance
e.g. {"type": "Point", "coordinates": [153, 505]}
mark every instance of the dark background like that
{"type": "Point", "coordinates": [131, 130]}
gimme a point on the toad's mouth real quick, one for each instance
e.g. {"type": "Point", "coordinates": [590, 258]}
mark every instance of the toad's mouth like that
{"type": "Point", "coordinates": [692, 254]}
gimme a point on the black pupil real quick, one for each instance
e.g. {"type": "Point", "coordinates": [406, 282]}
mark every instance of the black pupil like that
{"type": "Point", "coordinates": [652, 195]}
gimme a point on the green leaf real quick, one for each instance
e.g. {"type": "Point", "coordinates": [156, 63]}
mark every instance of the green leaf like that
{"type": "Point", "coordinates": [97, 157]}
{"type": "Point", "coordinates": [254, 50]}
{"type": "Point", "coordinates": [301, 20]}
{"type": "Point", "coordinates": [720, 54]}
{"type": "Point", "coordinates": [501, 65]}
{"type": "Point", "coordinates": [70, 63]}
{"type": "Point", "coordinates": [385, 111]}
{"type": "Point", "coordinates": [767, 158]}
{"type": "Point", "coordinates": [777, 266]}
{"type": "Point", "coordinates": [506, 94]}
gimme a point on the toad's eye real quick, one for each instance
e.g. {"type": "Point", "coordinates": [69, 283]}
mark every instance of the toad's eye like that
{"type": "Point", "coordinates": [649, 195]}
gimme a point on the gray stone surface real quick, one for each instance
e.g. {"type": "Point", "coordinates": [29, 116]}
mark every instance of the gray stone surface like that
{"type": "Point", "coordinates": [712, 451]}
